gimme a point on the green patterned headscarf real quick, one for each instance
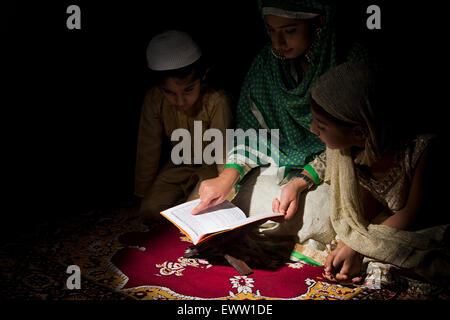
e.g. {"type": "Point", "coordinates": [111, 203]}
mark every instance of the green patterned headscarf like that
{"type": "Point", "coordinates": [270, 97]}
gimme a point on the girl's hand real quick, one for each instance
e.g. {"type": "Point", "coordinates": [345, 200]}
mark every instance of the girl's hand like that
{"type": "Point", "coordinates": [343, 265]}
{"type": "Point", "coordinates": [214, 191]}
{"type": "Point", "coordinates": [290, 195]}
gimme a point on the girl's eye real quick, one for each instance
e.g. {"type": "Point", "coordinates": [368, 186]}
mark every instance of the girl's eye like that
{"type": "Point", "coordinates": [188, 90]}
{"type": "Point", "coordinates": [320, 128]}
{"type": "Point", "coordinates": [166, 91]}
{"type": "Point", "coordinates": [289, 31]}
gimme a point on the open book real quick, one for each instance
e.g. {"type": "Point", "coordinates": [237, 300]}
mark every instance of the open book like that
{"type": "Point", "coordinates": [210, 222]}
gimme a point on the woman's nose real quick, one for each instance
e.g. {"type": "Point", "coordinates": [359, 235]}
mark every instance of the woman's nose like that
{"type": "Point", "coordinates": [278, 41]}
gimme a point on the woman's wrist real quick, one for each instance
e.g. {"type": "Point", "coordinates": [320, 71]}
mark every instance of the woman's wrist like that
{"type": "Point", "coordinates": [237, 167]}
{"type": "Point", "coordinates": [230, 175]}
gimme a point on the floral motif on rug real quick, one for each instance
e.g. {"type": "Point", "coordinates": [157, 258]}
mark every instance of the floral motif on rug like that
{"type": "Point", "coordinates": [161, 272]}
{"type": "Point", "coordinates": [129, 260]}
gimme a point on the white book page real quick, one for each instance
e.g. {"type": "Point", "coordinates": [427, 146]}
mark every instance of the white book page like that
{"type": "Point", "coordinates": [256, 218]}
{"type": "Point", "coordinates": [218, 218]}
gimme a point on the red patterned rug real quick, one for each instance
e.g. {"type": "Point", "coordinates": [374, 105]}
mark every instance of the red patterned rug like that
{"type": "Point", "coordinates": [129, 260]}
{"type": "Point", "coordinates": [154, 267]}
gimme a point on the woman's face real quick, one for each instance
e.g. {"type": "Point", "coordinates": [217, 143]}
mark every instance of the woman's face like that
{"type": "Point", "coordinates": [291, 37]}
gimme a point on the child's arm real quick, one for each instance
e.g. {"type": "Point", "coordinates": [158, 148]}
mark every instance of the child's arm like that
{"type": "Point", "coordinates": [148, 146]}
{"type": "Point", "coordinates": [404, 218]}
{"type": "Point", "coordinates": [316, 168]}
{"type": "Point", "coordinates": [289, 197]}
{"type": "Point", "coordinates": [313, 174]}
{"type": "Point", "coordinates": [343, 265]}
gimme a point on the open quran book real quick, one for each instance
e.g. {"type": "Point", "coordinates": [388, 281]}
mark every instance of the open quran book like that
{"type": "Point", "coordinates": [215, 220]}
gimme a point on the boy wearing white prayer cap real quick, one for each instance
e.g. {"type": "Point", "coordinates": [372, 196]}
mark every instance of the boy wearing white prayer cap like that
{"type": "Point", "coordinates": [178, 100]}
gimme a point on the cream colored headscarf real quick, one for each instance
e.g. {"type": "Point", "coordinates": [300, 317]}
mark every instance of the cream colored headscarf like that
{"type": "Point", "coordinates": [344, 92]}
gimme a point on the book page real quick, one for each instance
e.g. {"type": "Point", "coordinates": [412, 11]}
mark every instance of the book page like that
{"type": "Point", "coordinates": [218, 218]}
{"type": "Point", "coordinates": [256, 218]}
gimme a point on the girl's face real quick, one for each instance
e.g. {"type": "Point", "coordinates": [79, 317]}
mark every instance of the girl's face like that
{"type": "Point", "coordinates": [182, 93]}
{"type": "Point", "coordinates": [337, 136]}
{"type": "Point", "coordinates": [289, 36]}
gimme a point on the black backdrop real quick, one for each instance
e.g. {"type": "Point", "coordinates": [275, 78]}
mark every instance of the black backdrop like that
{"type": "Point", "coordinates": [72, 98]}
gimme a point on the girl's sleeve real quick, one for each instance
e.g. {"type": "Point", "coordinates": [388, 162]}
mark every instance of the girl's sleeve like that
{"type": "Point", "coordinates": [317, 167]}
{"type": "Point", "coordinates": [148, 145]}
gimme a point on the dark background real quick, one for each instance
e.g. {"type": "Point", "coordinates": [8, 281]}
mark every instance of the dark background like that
{"type": "Point", "coordinates": [71, 98]}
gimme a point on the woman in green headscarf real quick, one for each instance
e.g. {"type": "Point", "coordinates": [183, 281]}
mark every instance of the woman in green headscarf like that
{"type": "Point", "coordinates": [275, 97]}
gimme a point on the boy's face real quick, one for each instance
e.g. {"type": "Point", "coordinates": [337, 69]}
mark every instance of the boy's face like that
{"type": "Point", "coordinates": [182, 93]}
{"type": "Point", "coordinates": [337, 136]}
{"type": "Point", "coordinates": [289, 36]}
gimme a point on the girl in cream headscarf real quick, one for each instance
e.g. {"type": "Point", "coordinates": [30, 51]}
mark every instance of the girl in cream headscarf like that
{"type": "Point", "coordinates": [378, 182]}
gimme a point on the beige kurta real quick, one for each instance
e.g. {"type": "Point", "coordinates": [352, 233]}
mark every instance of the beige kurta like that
{"type": "Point", "coordinates": [312, 226]}
{"type": "Point", "coordinates": [423, 250]}
{"type": "Point", "coordinates": [162, 185]}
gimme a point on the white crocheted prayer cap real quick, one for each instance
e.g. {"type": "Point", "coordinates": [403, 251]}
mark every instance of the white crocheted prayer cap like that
{"type": "Point", "coordinates": [171, 50]}
{"type": "Point", "coordinates": [288, 14]}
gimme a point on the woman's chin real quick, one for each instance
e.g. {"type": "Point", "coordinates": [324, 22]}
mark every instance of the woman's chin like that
{"type": "Point", "coordinates": [291, 54]}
